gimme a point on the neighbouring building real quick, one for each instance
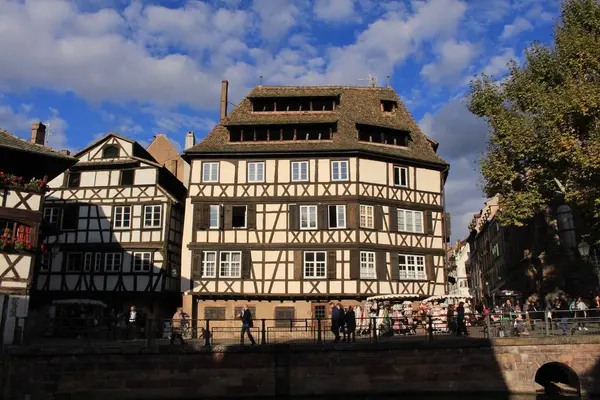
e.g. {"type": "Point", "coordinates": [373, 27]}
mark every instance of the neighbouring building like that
{"type": "Point", "coordinates": [458, 281]}
{"type": "Point", "coordinates": [117, 220]}
{"type": "Point", "coordinates": [25, 168]}
{"type": "Point", "coordinates": [304, 195]}
{"type": "Point", "coordinates": [165, 153]}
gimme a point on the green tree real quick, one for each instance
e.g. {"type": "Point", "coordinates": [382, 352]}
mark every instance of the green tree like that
{"type": "Point", "coordinates": [544, 145]}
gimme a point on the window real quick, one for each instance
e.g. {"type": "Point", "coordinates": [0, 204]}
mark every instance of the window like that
{"type": "Point", "coordinates": [214, 313]}
{"type": "Point", "coordinates": [97, 262]}
{"type": "Point", "coordinates": [210, 172]}
{"type": "Point", "coordinates": [401, 176]}
{"type": "Point", "coordinates": [142, 262]}
{"type": "Point", "coordinates": [46, 262]}
{"type": "Point", "coordinates": [300, 171]}
{"type": "Point", "coordinates": [74, 262]}
{"type": "Point", "coordinates": [337, 217]}
{"type": "Point", "coordinates": [209, 264]}
{"type": "Point", "coordinates": [410, 221]}
{"type": "Point", "coordinates": [339, 170]}
{"type": "Point", "coordinates": [366, 217]}
{"type": "Point", "coordinates": [231, 264]}
{"type": "Point", "coordinates": [152, 216]}
{"type": "Point", "coordinates": [73, 179]}
{"type": "Point", "coordinates": [412, 267]}
{"type": "Point", "coordinates": [281, 133]}
{"type": "Point", "coordinates": [294, 104]}
{"type": "Point", "coordinates": [110, 152]}
{"type": "Point", "coordinates": [215, 212]}
{"type": "Point", "coordinates": [127, 176]}
{"type": "Point", "coordinates": [388, 105]}
{"type": "Point", "coordinates": [367, 265]}
{"type": "Point", "coordinates": [122, 217]}
{"type": "Point", "coordinates": [308, 217]}
{"type": "Point", "coordinates": [377, 134]}
{"type": "Point", "coordinates": [112, 262]}
{"type": "Point", "coordinates": [238, 310]}
{"type": "Point", "coordinates": [315, 266]}
{"type": "Point", "coordinates": [51, 215]}
{"type": "Point", "coordinates": [87, 262]}
{"type": "Point", "coordinates": [284, 316]}
{"type": "Point", "coordinates": [23, 233]}
{"type": "Point", "coordinates": [319, 311]}
{"type": "Point", "coordinates": [238, 216]}
{"type": "Point", "coordinates": [70, 217]}
{"type": "Point", "coordinates": [256, 172]}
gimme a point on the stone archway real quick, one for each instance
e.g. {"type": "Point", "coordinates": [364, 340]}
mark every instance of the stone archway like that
{"type": "Point", "coordinates": [549, 374]}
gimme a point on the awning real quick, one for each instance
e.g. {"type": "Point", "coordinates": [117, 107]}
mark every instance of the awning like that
{"type": "Point", "coordinates": [87, 302]}
{"type": "Point", "coordinates": [440, 297]}
{"type": "Point", "coordinates": [394, 297]}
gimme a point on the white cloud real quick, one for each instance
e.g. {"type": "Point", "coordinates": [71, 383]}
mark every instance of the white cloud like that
{"type": "Point", "coordinates": [452, 58]}
{"type": "Point", "coordinates": [518, 26]}
{"type": "Point", "coordinates": [56, 132]}
{"type": "Point", "coordinates": [334, 10]}
{"type": "Point", "coordinates": [276, 18]}
{"type": "Point", "coordinates": [497, 65]}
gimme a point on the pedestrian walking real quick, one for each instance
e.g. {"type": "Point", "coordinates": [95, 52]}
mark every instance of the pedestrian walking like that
{"type": "Point", "coordinates": [132, 323]}
{"type": "Point", "coordinates": [460, 320]}
{"type": "Point", "coordinates": [350, 319]}
{"type": "Point", "coordinates": [342, 321]}
{"type": "Point", "coordinates": [335, 321]}
{"type": "Point", "coordinates": [450, 319]}
{"type": "Point", "coordinates": [178, 323]}
{"type": "Point", "coordinates": [581, 312]}
{"type": "Point", "coordinates": [247, 323]}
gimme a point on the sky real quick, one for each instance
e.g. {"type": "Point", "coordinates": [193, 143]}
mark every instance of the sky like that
{"type": "Point", "coordinates": [138, 68]}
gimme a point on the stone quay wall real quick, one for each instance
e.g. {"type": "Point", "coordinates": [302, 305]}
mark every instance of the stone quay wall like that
{"type": "Point", "coordinates": [279, 371]}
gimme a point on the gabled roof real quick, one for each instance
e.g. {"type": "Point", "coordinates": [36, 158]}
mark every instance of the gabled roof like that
{"type": "Point", "coordinates": [357, 105]}
{"type": "Point", "coordinates": [10, 141]}
{"type": "Point", "coordinates": [139, 152]}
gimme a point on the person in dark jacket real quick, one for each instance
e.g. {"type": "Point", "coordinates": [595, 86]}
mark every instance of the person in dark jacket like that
{"type": "Point", "coordinates": [350, 319]}
{"type": "Point", "coordinates": [460, 320]}
{"type": "Point", "coordinates": [342, 320]}
{"type": "Point", "coordinates": [450, 318]}
{"type": "Point", "coordinates": [335, 321]}
{"type": "Point", "coordinates": [247, 323]}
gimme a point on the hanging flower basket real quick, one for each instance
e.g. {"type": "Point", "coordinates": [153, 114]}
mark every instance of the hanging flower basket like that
{"type": "Point", "coordinates": [18, 183]}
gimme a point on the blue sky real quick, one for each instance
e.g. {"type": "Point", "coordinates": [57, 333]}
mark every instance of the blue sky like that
{"type": "Point", "coordinates": [139, 68]}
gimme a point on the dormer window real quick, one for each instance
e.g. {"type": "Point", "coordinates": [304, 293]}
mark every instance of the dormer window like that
{"type": "Point", "coordinates": [294, 104]}
{"type": "Point", "coordinates": [274, 133]}
{"type": "Point", "coordinates": [388, 106]}
{"type": "Point", "coordinates": [110, 152]}
{"type": "Point", "coordinates": [377, 134]}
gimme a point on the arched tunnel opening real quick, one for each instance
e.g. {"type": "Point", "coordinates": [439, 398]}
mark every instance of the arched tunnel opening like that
{"type": "Point", "coordinates": [558, 379]}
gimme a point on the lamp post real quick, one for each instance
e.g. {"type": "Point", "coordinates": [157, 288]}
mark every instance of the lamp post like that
{"type": "Point", "coordinates": [584, 249]}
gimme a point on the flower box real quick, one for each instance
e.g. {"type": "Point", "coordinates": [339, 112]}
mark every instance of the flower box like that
{"type": "Point", "coordinates": [14, 182]}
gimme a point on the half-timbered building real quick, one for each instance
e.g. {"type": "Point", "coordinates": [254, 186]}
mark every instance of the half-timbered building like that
{"type": "Point", "coordinates": [308, 194]}
{"type": "Point", "coordinates": [25, 168]}
{"type": "Point", "coordinates": [117, 217]}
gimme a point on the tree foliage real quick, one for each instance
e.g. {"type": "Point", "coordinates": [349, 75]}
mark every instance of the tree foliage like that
{"type": "Point", "coordinates": [544, 142]}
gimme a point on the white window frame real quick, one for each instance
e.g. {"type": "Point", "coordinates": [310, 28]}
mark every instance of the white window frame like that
{"type": "Point", "coordinates": [217, 210]}
{"type": "Point", "coordinates": [68, 264]}
{"type": "Point", "coordinates": [97, 262]}
{"type": "Point", "coordinates": [314, 264]}
{"type": "Point", "coordinates": [340, 211]}
{"type": "Point", "coordinates": [113, 266]}
{"type": "Point", "coordinates": [145, 261]}
{"type": "Point", "coordinates": [311, 223]}
{"type": "Point", "coordinates": [229, 265]}
{"type": "Point", "coordinates": [52, 215]}
{"type": "Point", "coordinates": [46, 262]}
{"type": "Point", "coordinates": [403, 172]}
{"type": "Point", "coordinates": [119, 223]}
{"type": "Point", "coordinates": [368, 269]}
{"type": "Point", "coordinates": [299, 165]}
{"type": "Point", "coordinates": [210, 172]}
{"type": "Point", "coordinates": [88, 261]}
{"type": "Point", "coordinates": [245, 217]}
{"type": "Point", "coordinates": [209, 265]}
{"type": "Point", "coordinates": [413, 269]}
{"type": "Point", "coordinates": [153, 222]}
{"type": "Point", "coordinates": [367, 212]}
{"type": "Point", "coordinates": [339, 164]}
{"type": "Point", "coordinates": [256, 174]}
{"type": "Point", "coordinates": [404, 216]}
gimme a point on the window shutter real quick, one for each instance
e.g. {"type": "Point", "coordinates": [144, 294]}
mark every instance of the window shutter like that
{"type": "Point", "coordinates": [205, 218]}
{"type": "Point", "coordinates": [396, 176]}
{"type": "Point", "coordinates": [428, 223]}
{"type": "Point", "coordinates": [354, 264]}
{"type": "Point", "coordinates": [331, 265]}
{"type": "Point", "coordinates": [298, 267]}
{"type": "Point", "coordinates": [381, 265]}
{"type": "Point", "coordinates": [352, 215]}
{"type": "Point", "coordinates": [294, 217]}
{"type": "Point", "coordinates": [378, 217]}
{"type": "Point", "coordinates": [246, 264]}
{"type": "Point", "coordinates": [394, 268]}
{"type": "Point", "coordinates": [323, 217]}
{"type": "Point", "coordinates": [197, 216]}
{"type": "Point", "coordinates": [429, 268]}
{"type": "Point", "coordinates": [393, 219]}
{"type": "Point", "coordinates": [251, 216]}
{"type": "Point", "coordinates": [227, 217]}
{"type": "Point", "coordinates": [197, 266]}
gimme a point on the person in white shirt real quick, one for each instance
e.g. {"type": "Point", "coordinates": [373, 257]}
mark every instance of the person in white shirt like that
{"type": "Point", "coordinates": [131, 323]}
{"type": "Point", "coordinates": [581, 308]}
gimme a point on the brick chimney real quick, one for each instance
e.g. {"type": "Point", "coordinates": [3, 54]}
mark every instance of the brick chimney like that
{"type": "Point", "coordinates": [38, 133]}
{"type": "Point", "coordinates": [65, 152]}
{"type": "Point", "coordinates": [224, 86]}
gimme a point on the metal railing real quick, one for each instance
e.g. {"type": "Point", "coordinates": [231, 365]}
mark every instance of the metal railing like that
{"type": "Point", "coordinates": [97, 332]}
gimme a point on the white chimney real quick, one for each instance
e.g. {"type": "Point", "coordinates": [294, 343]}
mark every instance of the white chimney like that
{"type": "Point", "coordinates": [190, 141]}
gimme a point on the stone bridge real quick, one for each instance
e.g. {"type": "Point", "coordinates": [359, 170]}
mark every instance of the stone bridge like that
{"type": "Point", "coordinates": [287, 370]}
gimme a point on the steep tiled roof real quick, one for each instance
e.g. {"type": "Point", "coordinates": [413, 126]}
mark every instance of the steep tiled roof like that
{"type": "Point", "coordinates": [10, 141]}
{"type": "Point", "coordinates": [357, 105]}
